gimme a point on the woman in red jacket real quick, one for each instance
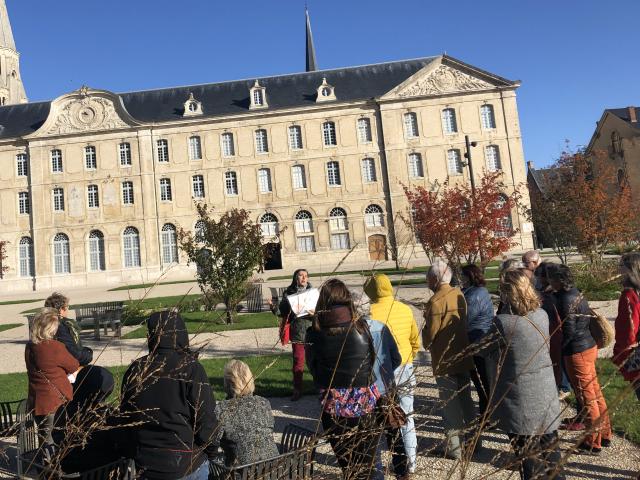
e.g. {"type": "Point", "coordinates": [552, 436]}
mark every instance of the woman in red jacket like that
{"type": "Point", "coordinates": [628, 319]}
{"type": "Point", "coordinates": [49, 366]}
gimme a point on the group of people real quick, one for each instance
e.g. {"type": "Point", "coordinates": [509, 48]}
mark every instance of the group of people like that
{"type": "Point", "coordinates": [359, 349]}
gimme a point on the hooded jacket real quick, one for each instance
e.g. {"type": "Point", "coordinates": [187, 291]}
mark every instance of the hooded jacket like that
{"type": "Point", "coordinates": [397, 316]}
{"type": "Point", "coordinates": [169, 392]}
{"type": "Point", "coordinates": [299, 325]}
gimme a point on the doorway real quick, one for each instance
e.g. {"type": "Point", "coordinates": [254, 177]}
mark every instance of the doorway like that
{"type": "Point", "coordinates": [377, 247]}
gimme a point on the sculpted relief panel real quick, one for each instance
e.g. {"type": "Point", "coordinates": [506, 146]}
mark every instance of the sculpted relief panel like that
{"type": "Point", "coordinates": [444, 79]}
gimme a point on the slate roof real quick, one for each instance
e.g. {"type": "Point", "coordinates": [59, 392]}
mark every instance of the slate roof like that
{"type": "Point", "coordinates": [542, 177]}
{"type": "Point", "coordinates": [623, 113]}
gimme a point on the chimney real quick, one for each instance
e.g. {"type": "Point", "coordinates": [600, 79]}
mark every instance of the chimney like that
{"type": "Point", "coordinates": [633, 118]}
{"type": "Point", "coordinates": [529, 165]}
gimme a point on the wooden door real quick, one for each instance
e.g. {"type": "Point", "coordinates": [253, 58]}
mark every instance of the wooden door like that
{"type": "Point", "coordinates": [377, 247]}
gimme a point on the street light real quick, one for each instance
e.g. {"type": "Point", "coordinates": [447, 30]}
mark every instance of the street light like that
{"type": "Point", "coordinates": [467, 155]}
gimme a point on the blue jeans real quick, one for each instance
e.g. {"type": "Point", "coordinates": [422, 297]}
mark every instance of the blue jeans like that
{"type": "Point", "coordinates": [406, 384]}
{"type": "Point", "coordinates": [201, 473]}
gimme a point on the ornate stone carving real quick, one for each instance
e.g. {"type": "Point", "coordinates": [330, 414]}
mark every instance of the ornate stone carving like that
{"type": "Point", "coordinates": [444, 80]}
{"type": "Point", "coordinates": [86, 114]}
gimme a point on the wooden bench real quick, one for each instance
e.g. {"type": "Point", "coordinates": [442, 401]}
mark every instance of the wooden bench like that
{"type": "Point", "coordinates": [102, 314]}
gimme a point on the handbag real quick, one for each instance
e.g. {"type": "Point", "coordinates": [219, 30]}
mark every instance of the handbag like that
{"type": "Point", "coordinates": [390, 413]}
{"type": "Point", "coordinates": [601, 330]}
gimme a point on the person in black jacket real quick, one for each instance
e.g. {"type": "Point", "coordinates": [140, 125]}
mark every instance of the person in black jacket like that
{"type": "Point", "coordinates": [340, 357]}
{"type": "Point", "coordinates": [580, 352]}
{"type": "Point", "coordinates": [168, 391]}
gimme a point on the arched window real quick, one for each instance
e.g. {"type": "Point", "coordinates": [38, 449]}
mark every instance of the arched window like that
{"type": "Point", "coordinates": [96, 251]}
{"type": "Point", "coordinates": [199, 231]}
{"type": "Point", "coordinates": [269, 225]}
{"type": "Point", "coordinates": [449, 123]}
{"type": "Point", "coordinates": [333, 174]}
{"type": "Point", "coordinates": [487, 118]}
{"type": "Point", "coordinates": [415, 166]}
{"type": "Point", "coordinates": [61, 261]}
{"type": "Point", "coordinates": [131, 247]}
{"type": "Point", "coordinates": [195, 148]}
{"type": "Point", "coordinates": [169, 244]}
{"type": "Point", "coordinates": [505, 225]}
{"type": "Point", "coordinates": [25, 255]}
{"type": "Point", "coordinates": [329, 134]}
{"type": "Point", "coordinates": [492, 155]}
{"type": "Point", "coordinates": [373, 216]}
{"type": "Point", "coordinates": [304, 232]}
{"type": "Point", "coordinates": [454, 162]}
{"type": "Point", "coordinates": [339, 229]}
{"type": "Point", "coordinates": [410, 125]}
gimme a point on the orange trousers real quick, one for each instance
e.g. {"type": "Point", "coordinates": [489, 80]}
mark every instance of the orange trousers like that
{"type": "Point", "coordinates": [581, 368]}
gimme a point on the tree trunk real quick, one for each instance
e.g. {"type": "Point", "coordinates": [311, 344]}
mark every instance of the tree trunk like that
{"type": "Point", "coordinates": [228, 313]}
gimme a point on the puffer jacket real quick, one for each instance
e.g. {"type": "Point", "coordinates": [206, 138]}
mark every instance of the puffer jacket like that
{"type": "Point", "coordinates": [575, 316]}
{"type": "Point", "coordinates": [397, 316]}
{"type": "Point", "coordinates": [479, 312]}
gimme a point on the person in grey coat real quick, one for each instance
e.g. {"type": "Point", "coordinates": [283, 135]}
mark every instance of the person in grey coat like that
{"type": "Point", "coordinates": [524, 398]}
{"type": "Point", "coordinates": [245, 420]}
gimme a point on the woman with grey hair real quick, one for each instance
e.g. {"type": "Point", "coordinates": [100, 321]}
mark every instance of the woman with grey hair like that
{"type": "Point", "coordinates": [245, 421]}
{"type": "Point", "coordinates": [628, 319]}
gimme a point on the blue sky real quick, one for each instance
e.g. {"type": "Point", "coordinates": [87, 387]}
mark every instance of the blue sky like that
{"type": "Point", "coordinates": [574, 57]}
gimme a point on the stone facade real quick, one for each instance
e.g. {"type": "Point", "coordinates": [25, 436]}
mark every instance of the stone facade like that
{"type": "Point", "coordinates": [356, 152]}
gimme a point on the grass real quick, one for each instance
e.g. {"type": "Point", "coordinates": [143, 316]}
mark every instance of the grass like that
{"type": "Point", "coordinates": [147, 285]}
{"type": "Point", "coordinates": [201, 322]}
{"type": "Point", "coordinates": [422, 281]}
{"type": "Point", "coordinates": [9, 326]}
{"type": "Point", "coordinates": [272, 372]}
{"type": "Point", "coordinates": [621, 400]}
{"type": "Point", "coordinates": [15, 302]}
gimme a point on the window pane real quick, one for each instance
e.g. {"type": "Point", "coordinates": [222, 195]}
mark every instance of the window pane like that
{"type": "Point", "coordinates": [487, 117]}
{"type": "Point", "coordinates": [58, 199]}
{"type": "Point", "coordinates": [61, 254]}
{"type": "Point", "coordinates": [125, 154]}
{"type": "Point", "coordinates": [415, 166]}
{"type": "Point", "coordinates": [454, 162]}
{"type": "Point", "coordinates": [449, 123]}
{"type": "Point", "coordinates": [299, 179]}
{"type": "Point", "coordinates": [56, 161]}
{"type": "Point", "coordinates": [340, 241]}
{"type": "Point", "coordinates": [364, 130]}
{"type": "Point", "coordinates": [127, 193]}
{"type": "Point", "coordinates": [269, 225]}
{"type": "Point", "coordinates": [262, 145]}
{"type": "Point", "coordinates": [198, 186]}
{"type": "Point", "coordinates": [169, 244]}
{"type": "Point", "coordinates": [24, 205]}
{"type": "Point", "coordinates": [306, 244]}
{"type": "Point", "coordinates": [22, 165]}
{"type": "Point", "coordinates": [228, 149]}
{"type": "Point", "coordinates": [165, 190]}
{"type": "Point", "coordinates": [295, 137]}
{"type": "Point", "coordinates": [26, 257]}
{"type": "Point", "coordinates": [195, 149]}
{"type": "Point", "coordinates": [492, 154]}
{"type": "Point", "coordinates": [329, 133]}
{"type": "Point", "coordinates": [333, 173]}
{"type": "Point", "coordinates": [163, 151]}
{"type": "Point", "coordinates": [231, 183]}
{"type": "Point", "coordinates": [131, 247]}
{"type": "Point", "coordinates": [264, 180]}
{"type": "Point", "coordinates": [90, 161]}
{"type": "Point", "coordinates": [369, 170]}
{"type": "Point", "coordinates": [373, 216]}
{"type": "Point", "coordinates": [92, 196]}
{"type": "Point", "coordinates": [96, 251]}
{"type": "Point", "coordinates": [410, 125]}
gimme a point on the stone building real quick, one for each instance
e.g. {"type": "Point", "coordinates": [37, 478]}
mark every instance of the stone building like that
{"type": "Point", "coordinates": [94, 184]}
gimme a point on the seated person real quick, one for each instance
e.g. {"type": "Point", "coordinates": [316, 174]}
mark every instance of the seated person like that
{"type": "Point", "coordinates": [168, 393]}
{"type": "Point", "coordinates": [245, 420]}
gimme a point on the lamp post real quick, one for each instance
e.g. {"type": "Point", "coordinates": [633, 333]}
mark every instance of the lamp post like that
{"type": "Point", "coordinates": [467, 154]}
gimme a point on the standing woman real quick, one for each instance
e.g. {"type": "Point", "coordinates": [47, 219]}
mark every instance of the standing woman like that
{"type": "Point", "coordinates": [580, 351]}
{"type": "Point", "coordinates": [628, 319]}
{"type": "Point", "coordinates": [525, 401]}
{"type": "Point", "coordinates": [340, 357]}
{"type": "Point", "coordinates": [48, 364]}
{"type": "Point", "coordinates": [297, 327]}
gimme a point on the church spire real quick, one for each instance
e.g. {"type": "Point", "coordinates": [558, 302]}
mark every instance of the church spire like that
{"type": "Point", "coordinates": [311, 51]}
{"type": "Point", "coordinates": [11, 88]}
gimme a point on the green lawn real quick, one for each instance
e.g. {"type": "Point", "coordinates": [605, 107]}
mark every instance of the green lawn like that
{"type": "Point", "coordinates": [147, 285]}
{"type": "Point", "coordinates": [621, 400]}
{"type": "Point", "coordinates": [15, 302]}
{"type": "Point", "coordinates": [272, 377]}
{"type": "Point", "coordinates": [201, 322]}
{"type": "Point", "coordinates": [9, 326]}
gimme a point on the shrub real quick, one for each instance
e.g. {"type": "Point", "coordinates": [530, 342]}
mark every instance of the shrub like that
{"type": "Point", "coordinates": [598, 281]}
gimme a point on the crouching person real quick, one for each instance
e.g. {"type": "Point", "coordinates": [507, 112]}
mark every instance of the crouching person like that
{"type": "Point", "coordinates": [168, 393]}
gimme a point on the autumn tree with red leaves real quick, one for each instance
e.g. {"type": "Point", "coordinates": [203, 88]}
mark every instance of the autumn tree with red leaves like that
{"type": "Point", "coordinates": [458, 224]}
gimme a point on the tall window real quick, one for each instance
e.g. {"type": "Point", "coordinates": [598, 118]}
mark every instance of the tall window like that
{"type": "Point", "coordinates": [364, 130]}
{"type": "Point", "coordinates": [166, 195]}
{"type": "Point", "coordinates": [169, 244]}
{"type": "Point", "coordinates": [199, 231]}
{"type": "Point", "coordinates": [339, 229]}
{"type": "Point", "coordinates": [373, 216]}
{"type": "Point", "coordinates": [492, 155]}
{"type": "Point", "coordinates": [258, 98]}
{"type": "Point", "coordinates": [415, 166]}
{"type": "Point", "coordinates": [298, 177]}
{"type": "Point", "coordinates": [269, 225]}
{"type": "Point", "coordinates": [61, 261]}
{"type": "Point", "coordinates": [56, 161]}
{"type": "Point", "coordinates": [411, 125]}
{"type": "Point", "coordinates": [90, 161]}
{"type": "Point", "coordinates": [505, 225]}
{"type": "Point", "coordinates": [96, 251]}
{"type": "Point", "coordinates": [58, 199]}
{"type": "Point", "coordinates": [369, 170]}
{"type": "Point", "coordinates": [125, 154]}
{"type": "Point", "coordinates": [24, 205]}
{"type": "Point", "coordinates": [195, 148]}
{"type": "Point", "coordinates": [487, 118]}
{"type": "Point", "coordinates": [304, 232]}
{"type": "Point", "coordinates": [262, 144]}
{"type": "Point", "coordinates": [264, 180]}
{"type": "Point", "coordinates": [228, 149]}
{"type": "Point", "coordinates": [22, 165]}
{"type": "Point", "coordinates": [131, 247]}
{"type": "Point", "coordinates": [231, 183]}
{"type": "Point", "coordinates": [333, 174]}
{"type": "Point", "coordinates": [92, 196]}
{"type": "Point", "coordinates": [454, 162]}
{"type": "Point", "coordinates": [449, 124]}
{"type": "Point", "coordinates": [295, 137]}
{"type": "Point", "coordinates": [329, 134]}
{"type": "Point", "coordinates": [127, 193]}
{"type": "Point", "coordinates": [197, 182]}
{"type": "Point", "coordinates": [25, 254]}
{"type": "Point", "coordinates": [163, 150]}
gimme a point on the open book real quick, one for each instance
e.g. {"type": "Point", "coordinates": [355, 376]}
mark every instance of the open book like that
{"type": "Point", "coordinates": [301, 303]}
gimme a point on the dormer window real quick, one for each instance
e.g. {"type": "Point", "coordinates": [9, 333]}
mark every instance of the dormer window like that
{"type": "Point", "coordinates": [258, 96]}
{"type": "Point", "coordinates": [192, 106]}
{"type": "Point", "coordinates": [326, 92]}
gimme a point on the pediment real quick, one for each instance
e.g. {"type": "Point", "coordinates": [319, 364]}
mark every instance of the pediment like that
{"type": "Point", "coordinates": [443, 77]}
{"type": "Point", "coordinates": [85, 110]}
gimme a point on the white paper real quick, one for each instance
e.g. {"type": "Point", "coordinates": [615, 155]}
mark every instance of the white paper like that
{"type": "Point", "coordinates": [301, 303]}
{"type": "Point", "coordinates": [72, 378]}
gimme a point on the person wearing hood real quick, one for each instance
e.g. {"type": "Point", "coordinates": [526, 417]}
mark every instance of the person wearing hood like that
{"type": "Point", "coordinates": [399, 319]}
{"type": "Point", "coordinates": [168, 392]}
{"type": "Point", "coordinates": [297, 327]}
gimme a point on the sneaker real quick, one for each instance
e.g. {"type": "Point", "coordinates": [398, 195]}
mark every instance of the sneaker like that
{"type": "Point", "coordinates": [606, 442]}
{"type": "Point", "coordinates": [411, 468]}
{"type": "Point", "coordinates": [573, 427]}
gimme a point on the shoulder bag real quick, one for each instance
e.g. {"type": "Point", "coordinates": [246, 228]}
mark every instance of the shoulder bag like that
{"type": "Point", "coordinates": [601, 330]}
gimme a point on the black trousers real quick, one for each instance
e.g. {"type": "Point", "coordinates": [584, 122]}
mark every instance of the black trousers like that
{"type": "Point", "coordinates": [398, 453]}
{"type": "Point", "coordinates": [354, 442]}
{"type": "Point", "coordinates": [480, 380]}
{"type": "Point", "coordinates": [538, 456]}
